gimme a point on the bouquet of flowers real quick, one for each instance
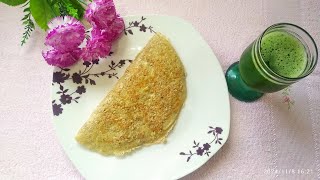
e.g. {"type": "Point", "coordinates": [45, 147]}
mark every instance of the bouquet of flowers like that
{"type": "Point", "coordinates": [66, 34]}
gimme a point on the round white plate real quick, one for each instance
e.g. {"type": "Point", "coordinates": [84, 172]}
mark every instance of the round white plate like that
{"type": "Point", "coordinates": [202, 127]}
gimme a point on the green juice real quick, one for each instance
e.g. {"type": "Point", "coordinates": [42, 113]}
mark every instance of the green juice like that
{"type": "Point", "coordinates": [283, 53]}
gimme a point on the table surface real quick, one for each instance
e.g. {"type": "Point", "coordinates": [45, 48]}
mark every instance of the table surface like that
{"type": "Point", "coordinates": [275, 137]}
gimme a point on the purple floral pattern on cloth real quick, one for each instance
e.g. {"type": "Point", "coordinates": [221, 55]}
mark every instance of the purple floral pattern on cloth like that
{"type": "Point", "coordinates": [201, 149]}
{"type": "Point", "coordinates": [287, 99]}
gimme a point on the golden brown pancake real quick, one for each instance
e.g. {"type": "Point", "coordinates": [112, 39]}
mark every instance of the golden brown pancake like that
{"type": "Point", "coordinates": [143, 106]}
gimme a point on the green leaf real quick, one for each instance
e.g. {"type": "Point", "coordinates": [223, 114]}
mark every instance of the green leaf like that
{"type": "Point", "coordinates": [13, 2]}
{"type": "Point", "coordinates": [28, 24]}
{"type": "Point", "coordinates": [72, 11]}
{"type": "Point", "coordinates": [77, 6]}
{"type": "Point", "coordinates": [25, 22]}
{"type": "Point", "coordinates": [61, 8]}
{"type": "Point", "coordinates": [25, 17]}
{"type": "Point", "coordinates": [53, 2]}
{"type": "Point", "coordinates": [42, 12]}
{"type": "Point", "coordinates": [26, 9]}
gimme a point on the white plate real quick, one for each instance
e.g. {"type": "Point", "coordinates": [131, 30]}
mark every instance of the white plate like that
{"type": "Point", "coordinates": [78, 90]}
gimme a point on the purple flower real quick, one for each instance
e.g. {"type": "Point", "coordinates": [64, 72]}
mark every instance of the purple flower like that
{"type": "Point", "coordinates": [65, 99]}
{"type": "Point", "coordinates": [206, 146]}
{"type": "Point", "coordinates": [143, 28]}
{"type": "Point", "coordinates": [81, 90]}
{"type": "Point", "coordinates": [200, 151]}
{"type": "Point", "coordinates": [116, 28]}
{"type": "Point", "coordinates": [136, 24]}
{"type": "Point", "coordinates": [101, 13]}
{"type": "Point", "coordinates": [59, 77]}
{"type": "Point", "coordinates": [218, 130]}
{"type": "Point", "coordinates": [97, 47]}
{"type": "Point", "coordinates": [96, 61]}
{"type": "Point", "coordinates": [112, 33]}
{"type": "Point", "coordinates": [122, 62]}
{"type": "Point", "coordinates": [107, 27]}
{"type": "Point", "coordinates": [56, 108]}
{"type": "Point", "coordinates": [76, 78]}
{"type": "Point", "coordinates": [87, 63]}
{"type": "Point", "coordinates": [62, 59]}
{"type": "Point", "coordinates": [65, 34]}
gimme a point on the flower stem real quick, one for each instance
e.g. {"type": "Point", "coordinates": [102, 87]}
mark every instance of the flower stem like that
{"type": "Point", "coordinates": [216, 136]}
{"type": "Point", "coordinates": [84, 72]}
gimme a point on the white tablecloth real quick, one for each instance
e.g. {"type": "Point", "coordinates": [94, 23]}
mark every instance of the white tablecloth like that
{"type": "Point", "coordinates": [278, 136]}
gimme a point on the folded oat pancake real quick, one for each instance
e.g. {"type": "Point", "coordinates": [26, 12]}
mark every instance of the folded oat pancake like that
{"type": "Point", "coordinates": [143, 106]}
